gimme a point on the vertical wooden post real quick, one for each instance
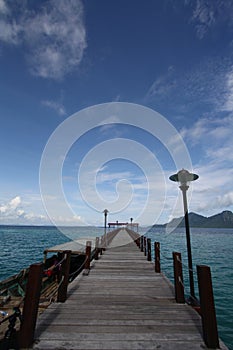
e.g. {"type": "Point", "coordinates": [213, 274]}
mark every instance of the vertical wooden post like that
{"type": "Point", "coordinates": [208, 314]}
{"type": "Point", "coordinates": [31, 303]}
{"type": "Point", "coordinates": [101, 245]}
{"type": "Point", "coordinates": [65, 270]}
{"type": "Point", "coordinates": [157, 257]}
{"type": "Point", "coordinates": [105, 240]}
{"type": "Point", "coordinates": [97, 248]}
{"type": "Point", "coordinates": [178, 278]}
{"type": "Point", "coordinates": [144, 245]}
{"type": "Point", "coordinates": [88, 258]}
{"type": "Point", "coordinates": [141, 243]}
{"type": "Point", "coordinates": [148, 249]}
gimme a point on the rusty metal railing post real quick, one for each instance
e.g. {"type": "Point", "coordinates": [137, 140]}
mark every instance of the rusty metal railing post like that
{"type": "Point", "coordinates": [64, 277]}
{"type": "Point", "coordinates": [157, 257]}
{"type": "Point", "coordinates": [178, 278]}
{"type": "Point", "coordinates": [31, 303]}
{"type": "Point", "coordinates": [148, 249]}
{"type": "Point", "coordinates": [208, 314]}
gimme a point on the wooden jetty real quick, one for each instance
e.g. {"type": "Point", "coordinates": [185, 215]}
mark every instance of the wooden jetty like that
{"type": "Point", "coordinates": [121, 304]}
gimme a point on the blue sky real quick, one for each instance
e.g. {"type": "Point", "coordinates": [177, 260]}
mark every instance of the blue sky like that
{"type": "Point", "coordinates": [58, 58]}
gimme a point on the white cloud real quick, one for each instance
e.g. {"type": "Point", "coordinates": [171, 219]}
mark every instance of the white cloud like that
{"type": "Point", "coordinates": [213, 192]}
{"type": "Point", "coordinates": [15, 202]}
{"type": "Point", "coordinates": [56, 106]}
{"type": "Point", "coordinates": [213, 139]}
{"type": "Point", "coordinates": [73, 220]}
{"type": "Point", "coordinates": [163, 85]}
{"type": "Point", "coordinates": [226, 199]}
{"type": "Point", "coordinates": [12, 212]}
{"type": "Point", "coordinates": [228, 104]}
{"type": "Point", "coordinates": [203, 16]}
{"type": "Point", "coordinates": [3, 7]}
{"type": "Point", "coordinates": [215, 135]}
{"type": "Point", "coordinates": [196, 131]}
{"type": "Point", "coordinates": [9, 32]}
{"type": "Point", "coordinates": [208, 13]}
{"type": "Point", "coordinates": [54, 36]}
{"type": "Point", "coordinates": [205, 86]}
{"type": "Point", "coordinates": [10, 208]}
{"type": "Point", "coordinates": [31, 217]}
{"type": "Point", "coordinates": [20, 212]}
{"type": "Point", "coordinates": [104, 177]}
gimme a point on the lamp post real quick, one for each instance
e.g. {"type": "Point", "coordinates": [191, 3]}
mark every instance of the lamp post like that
{"type": "Point", "coordinates": [184, 177]}
{"type": "Point", "coordinates": [131, 221]}
{"type": "Point", "coordinates": [105, 225]}
{"type": "Point", "coordinates": [105, 218]}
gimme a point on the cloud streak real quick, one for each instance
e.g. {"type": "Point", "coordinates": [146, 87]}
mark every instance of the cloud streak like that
{"type": "Point", "coordinates": [207, 86]}
{"type": "Point", "coordinates": [215, 135]}
{"type": "Point", "coordinates": [54, 36]}
{"type": "Point", "coordinates": [228, 104]}
{"type": "Point", "coordinates": [207, 14]}
{"type": "Point", "coordinates": [56, 106]}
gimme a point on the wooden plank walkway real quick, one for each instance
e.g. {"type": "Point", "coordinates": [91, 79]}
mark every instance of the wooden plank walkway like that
{"type": "Point", "coordinates": [121, 304]}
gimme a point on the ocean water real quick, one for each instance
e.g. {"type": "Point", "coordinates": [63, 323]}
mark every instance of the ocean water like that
{"type": "Point", "coordinates": [24, 245]}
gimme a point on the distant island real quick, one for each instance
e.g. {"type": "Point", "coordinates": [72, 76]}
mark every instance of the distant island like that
{"type": "Point", "coordinates": [221, 220]}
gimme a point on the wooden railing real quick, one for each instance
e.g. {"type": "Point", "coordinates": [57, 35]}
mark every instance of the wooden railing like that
{"type": "Point", "coordinates": [23, 338]}
{"type": "Point", "coordinates": [205, 307]}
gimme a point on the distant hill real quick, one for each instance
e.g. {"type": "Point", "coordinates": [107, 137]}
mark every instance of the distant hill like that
{"type": "Point", "coordinates": [221, 220]}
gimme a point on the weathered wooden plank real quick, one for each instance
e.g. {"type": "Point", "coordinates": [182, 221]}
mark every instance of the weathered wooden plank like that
{"type": "Point", "coordinates": [147, 337]}
{"type": "Point", "coordinates": [122, 329]}
{"type": "Point", "coordinates": [119, 345]}
{"type": "Point", "coordinates": [110, 316]}
{"type": "Point", "coordinates": [109, 321]}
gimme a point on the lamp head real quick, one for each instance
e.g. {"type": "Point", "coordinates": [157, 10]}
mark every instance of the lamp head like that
{"type": "Point", "coordinates": [183, 177]}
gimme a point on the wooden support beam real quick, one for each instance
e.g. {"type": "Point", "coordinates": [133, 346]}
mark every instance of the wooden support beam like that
{"type": "Point", "coordinates": [148, 249]}
{"type": "Point", "coordinates": [64, 275]}
{"type": "Point", "coordinates": [88, 258]}
{"type": "Point", "coordinates": [157, 257]}
{"type": "Point", "coordinates": [31, 303]}
{"type": "Point", "coordinates": [97, 248]}
{"type": "Point", "coordinates": [208, 314]}
{"type": "Point", "coordinates": [144, 245]}
{"type": "Point", "coordinates": [178, 278]}
{"type": "Point", "coordinates": [141, 243]}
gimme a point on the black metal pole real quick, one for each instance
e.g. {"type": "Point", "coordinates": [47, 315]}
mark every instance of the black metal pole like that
{"type": "Point", "coordinates": [105, 227]}
{"type": "Point", "coordinates": [105, 221]}
{"type": "Point", "coordinates": [184, 189]}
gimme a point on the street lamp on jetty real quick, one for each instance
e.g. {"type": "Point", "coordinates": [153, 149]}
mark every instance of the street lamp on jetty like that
{"type": "Point", "coordinates": [131, 222]}
{"type": "Point", "coordinates": [184, 177]}
{"type": "Point", "coordinates": [105, 225]}
{"type": "Point", "coordinates": [105, 218]}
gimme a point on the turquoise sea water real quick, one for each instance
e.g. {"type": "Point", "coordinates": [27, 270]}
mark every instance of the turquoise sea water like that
{"type": "Point", "coordinates": [22, 246]}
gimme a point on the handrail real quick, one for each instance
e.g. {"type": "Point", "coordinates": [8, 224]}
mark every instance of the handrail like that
{"type": "Point", "coordinates": [205, 307]}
